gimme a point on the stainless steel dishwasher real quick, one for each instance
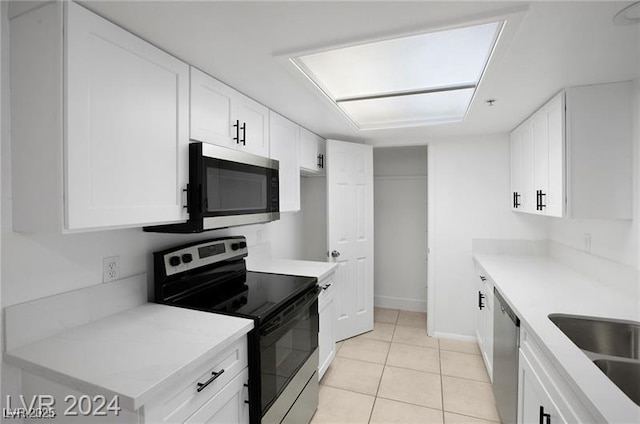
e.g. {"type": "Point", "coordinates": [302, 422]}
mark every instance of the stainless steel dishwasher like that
{"type": "Point", "coordinates": [506, 339]}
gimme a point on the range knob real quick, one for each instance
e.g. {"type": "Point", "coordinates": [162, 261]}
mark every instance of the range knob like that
{"type": "Point", "coordinates": [239, 245]}
{"type": "Point", "coordinates": [174, 260]}
{"type": "Point", "coordinates": [187, 257]}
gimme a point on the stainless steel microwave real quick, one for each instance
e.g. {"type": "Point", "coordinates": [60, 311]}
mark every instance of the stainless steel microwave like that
{"type": "Point", "coordinates": [227, 188]}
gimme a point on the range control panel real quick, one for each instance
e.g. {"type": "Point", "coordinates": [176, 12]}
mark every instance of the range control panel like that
{"type": "Point", "coordinates": [202, 254]}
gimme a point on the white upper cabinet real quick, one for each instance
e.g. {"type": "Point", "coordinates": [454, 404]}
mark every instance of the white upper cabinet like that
{"type": "Point", "coordinates": [572, 157]}
{"type": "Point", "coordinates": [312, 152]}
{"type": "Point", "coordinates": [253, 119]}
{"type": "Point", "coordinates": [223, 116]}
{"type": "Point", "coordinates": [522, 186]}
{"type": "Point", "coordinates": [99, 121]}
{"type": "Point", "coordinates": [548, 157]}
{"type": "Point", "coordinates": [211, 110]}
{"type": "Point", "coordinates": [284, 139]}
{"type": "Point", "coordinates": [600, 151]}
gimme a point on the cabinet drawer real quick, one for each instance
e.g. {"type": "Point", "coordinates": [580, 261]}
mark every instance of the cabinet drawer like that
{"type": "Point", "coordinates": [182, 400]}
{"type": "Point", "coordinates": [327, 288]}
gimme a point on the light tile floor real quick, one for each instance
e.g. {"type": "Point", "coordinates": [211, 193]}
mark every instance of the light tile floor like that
{"type": "Point", "coordinates": [396, 374]}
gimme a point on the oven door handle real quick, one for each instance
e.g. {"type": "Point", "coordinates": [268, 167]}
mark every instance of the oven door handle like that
{"type": "Point", "coordinates": [278, 328]}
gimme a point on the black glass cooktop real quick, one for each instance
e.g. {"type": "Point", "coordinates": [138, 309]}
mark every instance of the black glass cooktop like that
{"type": "Point", "coordinates": [253, 295]}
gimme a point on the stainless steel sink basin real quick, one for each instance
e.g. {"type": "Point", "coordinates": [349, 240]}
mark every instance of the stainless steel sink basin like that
{"type": "Point", "coordinates": [625, 375]}
{"type": "Point", "coordinates": [601, 336]}
{"type": "Point", "coordinates": [612, 345]}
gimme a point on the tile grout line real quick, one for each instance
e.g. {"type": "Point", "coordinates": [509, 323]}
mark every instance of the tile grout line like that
{"type": "Point", "coordinates": [384, 366]}
{"type": "Point", "coordinates": [441, 381]}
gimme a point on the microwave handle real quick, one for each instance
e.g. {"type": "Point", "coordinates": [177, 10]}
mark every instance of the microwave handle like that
{"type": "Point", "coordinates": [185, 197]}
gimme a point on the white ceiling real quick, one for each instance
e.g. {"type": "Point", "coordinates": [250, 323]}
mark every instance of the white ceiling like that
{"type": "Point", "coordinates": [554, 45]}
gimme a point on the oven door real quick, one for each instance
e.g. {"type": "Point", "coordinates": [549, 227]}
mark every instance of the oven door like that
{"type": "Point", "coordinates": [287, 342]}
{"type": "Point", "coordinates": [236, 188]}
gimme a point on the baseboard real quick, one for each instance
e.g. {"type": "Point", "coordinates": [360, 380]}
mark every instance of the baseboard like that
{"type": "Point", "coordinates": [400, 303]}
{"type": "Point", "coordinates": [452, 336]}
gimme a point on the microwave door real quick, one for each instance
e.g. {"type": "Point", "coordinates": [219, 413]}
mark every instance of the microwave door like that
{"type": "Point", "coordinates": [235, 192]}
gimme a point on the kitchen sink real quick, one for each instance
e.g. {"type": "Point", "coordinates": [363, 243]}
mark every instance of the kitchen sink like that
{"type": "Point", "coordinates": [612, 345]}
{"type": "Point", "coordinates": [625, 375]}
{"type": "Point", "coordinates": [601, 336]}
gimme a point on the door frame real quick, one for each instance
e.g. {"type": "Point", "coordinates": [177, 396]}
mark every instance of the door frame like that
{"type": "Point", "coordinates": [431, 225]}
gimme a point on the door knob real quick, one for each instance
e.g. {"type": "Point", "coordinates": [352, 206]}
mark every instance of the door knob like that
{"type": "Point", "coordinates": [335, 254]}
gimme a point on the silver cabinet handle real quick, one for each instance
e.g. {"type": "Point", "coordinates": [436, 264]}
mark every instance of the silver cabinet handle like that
{"type": "Point", "coordinates": [335, 254]}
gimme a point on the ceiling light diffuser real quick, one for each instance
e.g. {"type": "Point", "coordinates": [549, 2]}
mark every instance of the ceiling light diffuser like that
{"type": "Point", "coordinates": [422, 79]}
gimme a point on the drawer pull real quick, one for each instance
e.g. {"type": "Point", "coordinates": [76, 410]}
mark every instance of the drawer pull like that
{"type": "Point", "coordinates": [215, 375]}
{"type": "Point", "coordinates": [544, 416]}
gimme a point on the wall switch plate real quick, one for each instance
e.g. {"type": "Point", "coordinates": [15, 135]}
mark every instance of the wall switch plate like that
{"type": "Point", "coordinates": [110, 269]}
{"type": "Point", "coordinates": [587, 242]}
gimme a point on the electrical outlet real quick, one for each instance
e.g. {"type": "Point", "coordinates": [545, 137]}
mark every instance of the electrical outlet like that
{"type": "Point", "coordinates": [110, 269]}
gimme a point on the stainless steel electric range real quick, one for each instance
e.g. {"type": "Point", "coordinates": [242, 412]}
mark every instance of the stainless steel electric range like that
{"type": "Point", "coordinates": [212, 276]}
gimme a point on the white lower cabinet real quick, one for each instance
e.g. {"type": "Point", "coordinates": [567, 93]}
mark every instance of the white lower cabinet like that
{"type": "Point", "coordinates": [484, 319]}
{"type": "Point", "coordinates": [544, 397]}
{"type": "Point", "coordinates": [484, 323]}
{"type": "Point", "coordinates": [229, 406]}
{"type": "Point", "coordinates": [535, 403]}
{"type": "Point", "coordinates": [327, 318]}
{"type": "Point", "coordinates": [220, 397]}
{"type": "Point", "coordinates": [222, 400]}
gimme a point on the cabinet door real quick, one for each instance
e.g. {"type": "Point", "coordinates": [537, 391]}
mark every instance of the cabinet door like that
{"type": "Point", "coordinates": [548, 140]}
{"type": "Point", "coordinates": [211, 110]}
{"type": "Point", "coordinates": [126, 146]}
{"type": "Point", "coordinates": [535, 405]}
{"type": "Point", "coordinates": [528, 195]}
{"type": "Point", "coordinates": [540, 128]}
{"type": "Point", "coordinates": [326, 334]}
{"type": "Point", "coordinates": [253, 119]}
{"type": "Point", "coordinates": [284, 136]}
{"type": "Point", "coordinates": [556, 178]}
{"type": "Point", "coordinates": [226, 406]}
{"type": "Point", "coordinates": [311, 150]}
{"type": "Point", "coordinates": [515, 141]}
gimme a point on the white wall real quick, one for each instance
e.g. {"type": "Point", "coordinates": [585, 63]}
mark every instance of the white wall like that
{"type": "Point", "coordinates": [468, 199]}
{"type": "Point", "coordinates": [400, 227]}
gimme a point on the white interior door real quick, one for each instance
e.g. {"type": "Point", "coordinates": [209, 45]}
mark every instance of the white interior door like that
{"type": "Point", "coordinates": [350, 234]}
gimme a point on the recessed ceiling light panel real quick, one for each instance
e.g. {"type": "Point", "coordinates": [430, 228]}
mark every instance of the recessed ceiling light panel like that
{"type": "Point", "coordinates": [415, 80]}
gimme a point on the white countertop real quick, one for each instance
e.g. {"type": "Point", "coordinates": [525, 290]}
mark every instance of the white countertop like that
{"type": "Point", "coordinates": [134, 354]}
{"type": "Point", "coordinates": [291, 267]}
{"type": "Point", "coordinates": [538, 286]}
